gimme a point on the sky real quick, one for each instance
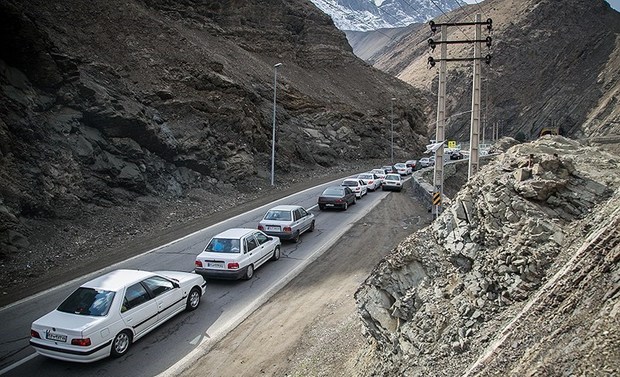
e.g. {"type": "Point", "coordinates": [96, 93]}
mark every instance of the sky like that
{"type": "Point", "coordinates": [614, 3]}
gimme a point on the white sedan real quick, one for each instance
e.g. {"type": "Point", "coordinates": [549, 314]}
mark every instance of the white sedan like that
{"type": "Point", "coordinates": [237, 253]}
{"type": "Point", "coordinates": [372, 181]}
{"type": "Point", "coordinates": [402, 168]}
{"type": "Point", "coordinates": [358, 186]}
{"type": "Point", "coordinates": [106, 315]}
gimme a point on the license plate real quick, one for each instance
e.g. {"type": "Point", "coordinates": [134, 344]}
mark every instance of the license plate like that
{"type": "Point", "coordinates": [56, 337]}
{"type": "Point", "coordinates": [215, 264]}
{"type": "Point", "coordinates": [273, 228]}
{"type": "Point", "coordinates": [329, 205]}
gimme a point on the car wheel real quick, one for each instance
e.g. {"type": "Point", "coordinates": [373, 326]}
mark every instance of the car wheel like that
{"type": "Point", "coordinates": [121, 343]}
{"type": "Point", "coordinates": [193, 299]}
{"type": "Point", "coordinates": [249, 272]}
{"type": "Point", "coordinates": [296, 237]}
{"type": "Point", "coordinates": [276, 253]}
{"type": "Point", "coordinates": [346, 205]}
{"type": "Point", "coordinates": [311, 227]}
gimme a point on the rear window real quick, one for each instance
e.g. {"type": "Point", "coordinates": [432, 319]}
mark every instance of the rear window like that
{"type": "Point", "coordinates": [365, 176]}
{"type": "Point", "coordinates": [333, 191]}
{"type": "Point", "coordinates": [223, 245]}
{"type": "Point", "coordinates": [278, 215]}
{"type": "Point", "coordinates": [88, 301]}
{"type": "Point", "coordinates": [350, 183]}
{"type": "Point", "coordinates": [393, 177]}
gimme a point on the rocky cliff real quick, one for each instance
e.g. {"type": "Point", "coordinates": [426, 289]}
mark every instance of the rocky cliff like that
{"type": "Point", "coordinates": [520, 275]}
{"type": "Point", "coordinates": [553, 66]}
{"type": "Point", "coordinates": [119, 105]}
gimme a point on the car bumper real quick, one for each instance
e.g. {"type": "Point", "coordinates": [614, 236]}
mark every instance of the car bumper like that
{"type": "Point", "coordinates": [332, 205]}
{"type": "Point", "coordinates": [280, 235]}
{"type": "Point", "coordinates": [221, 274]}
{"type": "Point", "coordinates": [72, 353]}
{"type": "Point", "coordinates": [392, 187]}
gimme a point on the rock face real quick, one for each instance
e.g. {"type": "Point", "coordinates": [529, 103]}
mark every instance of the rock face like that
{"type": "Point", "coordinates": [547, 71]}
{"type": "Point", "coordinates": [524, 263]}
{"type": "Point", "coordinates": [103, 103]}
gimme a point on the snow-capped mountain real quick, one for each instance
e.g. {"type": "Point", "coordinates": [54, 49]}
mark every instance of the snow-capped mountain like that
{"type": "Point", "coordinates": [365, 15]}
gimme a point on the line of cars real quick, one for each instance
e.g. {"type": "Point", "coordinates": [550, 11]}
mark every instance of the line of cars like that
{"type": "Point", "coordinates": [104, 316]}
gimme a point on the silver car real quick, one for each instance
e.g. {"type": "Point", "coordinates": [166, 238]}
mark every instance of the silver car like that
{"type": "Point", "coordinates": [287, 222]}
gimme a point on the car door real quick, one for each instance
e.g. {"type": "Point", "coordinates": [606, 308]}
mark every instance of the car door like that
{"type": "Point", "coordinates": [251, 250]}
{"type": "Point", "coordinates": [168, 296]}
{"type": "Point", "coordinates": [304, 219]}
{"type": "Point", "coordinates": [139, 309]}
{"type": "Point", "coordinates": [265, 249]}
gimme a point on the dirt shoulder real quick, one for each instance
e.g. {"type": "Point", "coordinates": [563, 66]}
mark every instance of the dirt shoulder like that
{"type": "Point", "coordinates": [310, 327]}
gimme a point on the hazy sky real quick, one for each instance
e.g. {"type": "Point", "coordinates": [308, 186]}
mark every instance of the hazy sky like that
{"type": "Point", "coordinates": [614, 3]}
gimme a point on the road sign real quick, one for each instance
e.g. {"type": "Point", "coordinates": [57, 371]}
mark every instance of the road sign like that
{"type": "Point", "coordinates": [452, 144]}
{"type": "Point", "coordinates": [436, 198]}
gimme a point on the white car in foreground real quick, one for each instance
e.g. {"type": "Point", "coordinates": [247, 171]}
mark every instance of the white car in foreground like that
{"type": "Point", "coordinates": [106, 315]}
{"type": "Point", "coordinates": [237, 253]}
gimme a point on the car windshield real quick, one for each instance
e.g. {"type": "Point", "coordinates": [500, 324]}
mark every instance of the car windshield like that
{"type": "Point", "coordinates": [400, 165]}
{"type": "Point", "coordinates": [393, 177]}
{"type": "Point", "coordinates": [278, 215]}
{"type": "Point", "coordinates": [223, 245]}
{"type": "Point", "coordinates": [350, 183]}
{"type": "Point", "coordinates": [88, 301]}
{"type": "Point", "coordinates": [333, 191]}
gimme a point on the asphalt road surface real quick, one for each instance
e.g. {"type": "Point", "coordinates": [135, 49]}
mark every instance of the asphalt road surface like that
{"type": "Point", "coordinates": [225, 305]}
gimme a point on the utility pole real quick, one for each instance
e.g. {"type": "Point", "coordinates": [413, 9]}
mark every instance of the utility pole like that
{"type": "Point", "coordinates": [441, 105]}
{"type": "Point", "coordinates": [475, 109]}
{"type": "Point", "coordinates": [474, 136]}
{"type": "Point", "coordinates": [441, 123]}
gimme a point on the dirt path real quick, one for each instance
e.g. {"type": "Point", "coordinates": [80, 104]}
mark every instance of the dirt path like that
{"type": "Point", "coordinates": [311, 328]}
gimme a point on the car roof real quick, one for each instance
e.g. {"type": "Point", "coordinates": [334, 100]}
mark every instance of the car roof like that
{"type": "Point", "coordinates": [235, 233]}
{"type": "Point", "coordinates": [285, 207]}
{"type": "Point", "coordinates": [115, 280]}
{"type": "Point", "coordinates": [351, 179]}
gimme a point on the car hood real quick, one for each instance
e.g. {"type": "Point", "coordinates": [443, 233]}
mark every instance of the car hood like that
{"type": "Point", "coordinates": [68, 322]}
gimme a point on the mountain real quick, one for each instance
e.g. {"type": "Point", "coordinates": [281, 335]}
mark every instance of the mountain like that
{"type": "Point", "coordinates": [365, 15]}
{"type": "Point", "coordinates": [125, 107]}
{"type": "Point", "coordinates": [547, 70]}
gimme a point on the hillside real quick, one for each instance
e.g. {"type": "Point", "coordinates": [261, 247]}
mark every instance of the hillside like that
{"type": "Point", "coordinates": [548, 70]}
{"type": "Point", "coordinates": [119, 115]}
{"type": "Point", "coordinates": [519, 276]}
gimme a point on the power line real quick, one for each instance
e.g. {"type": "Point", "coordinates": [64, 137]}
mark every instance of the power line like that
{"type": "Point", "coordinates": [448, 17]}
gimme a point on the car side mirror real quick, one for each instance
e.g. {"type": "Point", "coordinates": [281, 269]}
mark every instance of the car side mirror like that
{"type": "Point", "coordinates": [176, 285]}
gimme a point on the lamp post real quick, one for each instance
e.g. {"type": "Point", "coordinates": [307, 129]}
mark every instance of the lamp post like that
{"type": "Point", "coordinates": [273, 128]}
{"type": "Point", "coordinates": [392, 133]}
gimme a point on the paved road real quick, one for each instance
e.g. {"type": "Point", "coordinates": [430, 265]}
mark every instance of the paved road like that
{"type": "Point", "coordinates": [224, 306]}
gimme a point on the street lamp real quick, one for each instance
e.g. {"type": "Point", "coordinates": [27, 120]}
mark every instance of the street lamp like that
{"type": "Point", "coordinates": [273, 128]}
{"type": "Point", "coordinates": [392, 133]}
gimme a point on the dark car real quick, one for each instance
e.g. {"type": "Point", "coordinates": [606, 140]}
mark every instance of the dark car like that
{"type": "Point", "coordinates": [336, 197]}
{"type": "Point", "coordinates": [456, 155]}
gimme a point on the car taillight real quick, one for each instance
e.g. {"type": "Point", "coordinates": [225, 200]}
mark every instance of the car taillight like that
{"type": "Point", "coordinates": [198, 263]}
{"type": "Point", "coordinates": [260, 227]}
{"type": "Point", "coordinates": [233, 265]}
{"type": "Point", "coordinates": [34, 334]}
{"type": "Point", "coordinates": [287, 229]}
{"type": "Point", "coordinates": [338, 200]}
{"type": "Point", "coordinates": [370, 182]}
{"type": "Point", "coordinates": [81, 342]}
